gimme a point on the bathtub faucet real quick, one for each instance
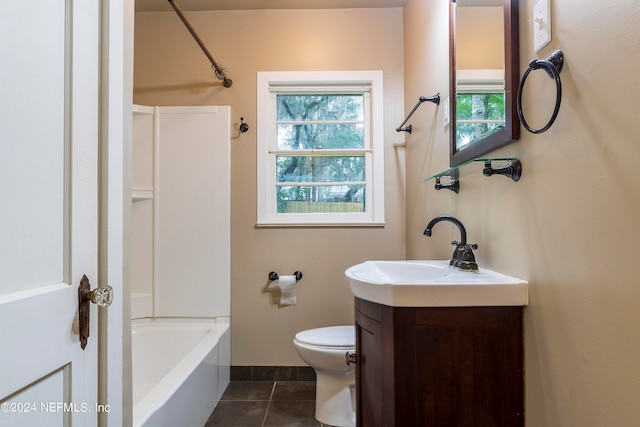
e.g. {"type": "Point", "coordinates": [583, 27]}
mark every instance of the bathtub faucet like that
{"type": "Point", "coordinates": [463, 257]}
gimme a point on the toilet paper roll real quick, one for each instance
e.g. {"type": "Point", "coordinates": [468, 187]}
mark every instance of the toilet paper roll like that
{"type": "Point", "coordinates": [287, 285]}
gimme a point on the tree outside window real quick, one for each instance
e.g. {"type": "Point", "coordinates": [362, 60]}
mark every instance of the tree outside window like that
{"type": "Point", "coordinates": [318, 182]}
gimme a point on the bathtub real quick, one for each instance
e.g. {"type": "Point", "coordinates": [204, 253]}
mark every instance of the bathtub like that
{"type": "Point", "coordinates": [180, 369]}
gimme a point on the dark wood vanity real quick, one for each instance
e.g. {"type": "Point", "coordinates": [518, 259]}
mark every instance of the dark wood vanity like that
{"type": "Point", "coordinates": [439, 366]}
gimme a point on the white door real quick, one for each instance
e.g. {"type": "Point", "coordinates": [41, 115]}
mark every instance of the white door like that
{"type": "Point", "coordinates": [49, 130]}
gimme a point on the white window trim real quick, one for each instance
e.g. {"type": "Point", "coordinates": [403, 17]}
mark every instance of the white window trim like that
{"type": "Point", "coordinates": [480, 81]}
{"type": "Point", "coordinates": [267, 215]}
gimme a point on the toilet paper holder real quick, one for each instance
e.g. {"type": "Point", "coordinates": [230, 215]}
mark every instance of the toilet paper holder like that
{"type": "Point", "coordinates": [274, 276]}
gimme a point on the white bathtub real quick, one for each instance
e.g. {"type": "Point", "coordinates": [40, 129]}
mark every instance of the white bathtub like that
{"type": "Point", "coordinates": [180, 370]}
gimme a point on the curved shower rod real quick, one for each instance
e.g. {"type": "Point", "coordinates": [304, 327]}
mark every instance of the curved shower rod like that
{"type": "Point", "coordinates": [221, 73]}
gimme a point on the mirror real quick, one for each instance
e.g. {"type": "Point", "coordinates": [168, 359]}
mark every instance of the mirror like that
{"type": "Point", "coordinates": [484, 73]}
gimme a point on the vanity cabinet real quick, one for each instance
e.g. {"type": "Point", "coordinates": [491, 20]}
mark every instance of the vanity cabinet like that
{"type": "Point", "coordinates": [439, 366]}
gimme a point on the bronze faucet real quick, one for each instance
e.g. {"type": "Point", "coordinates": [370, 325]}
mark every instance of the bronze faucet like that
{"type": "Point", "coordinates": [463, 257]}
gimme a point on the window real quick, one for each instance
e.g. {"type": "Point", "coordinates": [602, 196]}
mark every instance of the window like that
{"type": "Point", "coordinates": [479, 104]}
{"type": "Point", "coordinates": [320, 151]}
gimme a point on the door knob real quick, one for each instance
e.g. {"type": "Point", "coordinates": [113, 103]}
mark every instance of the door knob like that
{"type": "Point", "coordinates": [100, 296]}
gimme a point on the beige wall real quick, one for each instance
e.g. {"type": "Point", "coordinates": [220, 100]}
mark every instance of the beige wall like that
{"type": "Point", "coordinates": [170, 69]}
{"type": "Point", "coordinates": [476, 28]}
{"type": "Point", "coordinates": [570, 225]}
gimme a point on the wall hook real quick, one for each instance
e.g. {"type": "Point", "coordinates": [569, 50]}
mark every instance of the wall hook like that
{"type": "Point", "coordinates": [243, 126]}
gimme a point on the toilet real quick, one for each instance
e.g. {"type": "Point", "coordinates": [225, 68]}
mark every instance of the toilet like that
{"type": "Point", "coordinates": [324, 349]}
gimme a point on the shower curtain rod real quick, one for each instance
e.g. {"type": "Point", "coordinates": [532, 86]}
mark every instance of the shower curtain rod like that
{"type": "Point", "coordinates": [221, 73]}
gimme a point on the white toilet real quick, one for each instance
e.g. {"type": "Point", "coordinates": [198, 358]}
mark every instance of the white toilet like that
{"type": "Point", "coordinates": [324, 349]}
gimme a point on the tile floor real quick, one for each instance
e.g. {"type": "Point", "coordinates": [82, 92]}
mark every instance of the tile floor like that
{"type": "Point", "coordinates": [266, 404]}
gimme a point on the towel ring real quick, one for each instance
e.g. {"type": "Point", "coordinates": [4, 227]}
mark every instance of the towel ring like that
{"type": "Point", "coordinates": [553, 66]}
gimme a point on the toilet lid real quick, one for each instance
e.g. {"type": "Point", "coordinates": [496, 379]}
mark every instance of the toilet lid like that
{"type": "Point", "coordinates": [332, 336]}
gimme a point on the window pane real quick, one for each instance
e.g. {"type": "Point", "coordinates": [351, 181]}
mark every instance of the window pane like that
{"type": "Point", "coordinates": [478, 108]}
{"type": "Point", "coordinates": [312, 199]}
{"type": "Point", "coordinates": [320, 107]}
{"type": "Point", "coordinates": [487, 106]}
{"type": "Point", "coordinates": [328, 136]}
{"type": "Point", "coordinates": [319, 168]}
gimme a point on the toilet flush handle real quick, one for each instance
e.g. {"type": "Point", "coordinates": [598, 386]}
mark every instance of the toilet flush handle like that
{"type": "Point", "coordinates": [351, 358]}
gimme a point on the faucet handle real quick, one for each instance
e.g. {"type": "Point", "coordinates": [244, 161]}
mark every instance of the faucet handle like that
{"type": "Point", "coordinates": [467, 261]}
{"type": "Point", "coordinates": [455, 257]}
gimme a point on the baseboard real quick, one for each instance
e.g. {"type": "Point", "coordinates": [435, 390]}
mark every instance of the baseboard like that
{"type": "Point", "coordinates": [272, 373]}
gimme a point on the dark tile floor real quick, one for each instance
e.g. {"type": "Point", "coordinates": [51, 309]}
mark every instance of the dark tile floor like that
{"type": "Point", "coordinates": [266, 404]}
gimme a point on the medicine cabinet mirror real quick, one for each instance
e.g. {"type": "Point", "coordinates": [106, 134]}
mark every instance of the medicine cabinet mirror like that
{"type": "Point", "coordinates": [484, 72]}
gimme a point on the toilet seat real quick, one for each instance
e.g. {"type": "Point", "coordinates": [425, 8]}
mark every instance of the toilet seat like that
{"type": "Point", "coordinates": [329, 337]}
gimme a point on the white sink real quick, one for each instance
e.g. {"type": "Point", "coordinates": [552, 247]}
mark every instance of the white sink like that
{"type": "Point", "coordinates": [433, 284]}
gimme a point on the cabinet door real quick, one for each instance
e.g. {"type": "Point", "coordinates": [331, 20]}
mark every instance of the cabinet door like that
{"type": "Point", "coordinates": [368, 372]}
{"type": "Point", "coordinates": [469, 367]}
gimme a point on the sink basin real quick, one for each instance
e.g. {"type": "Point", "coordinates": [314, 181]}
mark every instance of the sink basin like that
{"type": "Point", "coordinates": [433, 284]}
